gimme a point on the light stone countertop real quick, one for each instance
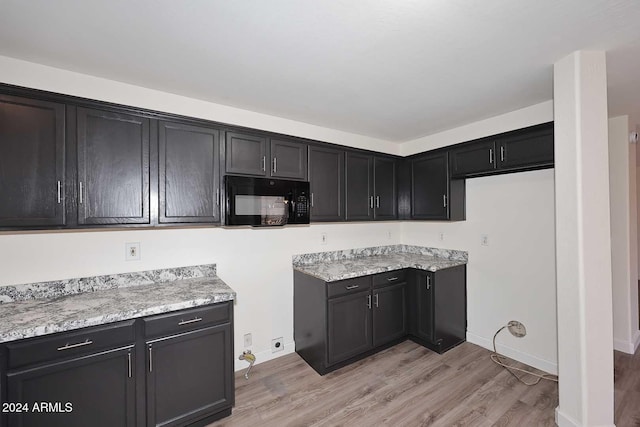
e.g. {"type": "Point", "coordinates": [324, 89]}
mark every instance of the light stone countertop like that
{"type": "Point", "coordinates": [334, 266]}
{"type": "Point", "coordinates": [36, 317]}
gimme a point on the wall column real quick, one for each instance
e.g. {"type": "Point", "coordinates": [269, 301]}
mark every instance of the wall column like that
{"type": "Point", "coordinates": [583, 241]}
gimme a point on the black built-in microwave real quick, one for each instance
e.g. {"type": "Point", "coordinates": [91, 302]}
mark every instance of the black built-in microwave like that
{"type": "Point", "coordinates": [262, 202]}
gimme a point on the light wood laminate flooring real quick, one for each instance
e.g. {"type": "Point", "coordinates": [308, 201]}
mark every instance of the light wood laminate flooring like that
{"type": "Point", "coordinates": [405, 385]}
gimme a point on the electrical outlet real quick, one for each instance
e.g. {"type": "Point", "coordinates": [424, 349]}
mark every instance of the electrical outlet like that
{"type": "Point", "coordinates": [517, 329]}
{"type": "Point", "coordinates": [441, 236]}
{"type": "Point", "coordinates": [484, 239]}
{"type": "Point", "coordinates": [323, 238]}
{"type": "Point", "coordinates": [247, 340]}
{"type": "Point", "coordinates": [388, 235]}
{"type": "Point", "coordinates": [132, 251]}
{"type": "Point", "coordinates": [277, 345]}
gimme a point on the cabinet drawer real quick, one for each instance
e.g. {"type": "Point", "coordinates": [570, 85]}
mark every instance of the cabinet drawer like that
{"type": "Point", "coordinates": [348, 286]}
{"type": "Point", "coordinates": [389, 278]}
{"type": "Point", "coordinates": [62, 345]}
{"type": "Point", "coordinates": [187, 320]}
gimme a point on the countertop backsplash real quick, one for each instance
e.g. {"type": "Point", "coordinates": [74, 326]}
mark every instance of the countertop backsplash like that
{"type": "Point", "coordinates": [320, 257]}
{"type": "Point", "coordinates": [59, 288]}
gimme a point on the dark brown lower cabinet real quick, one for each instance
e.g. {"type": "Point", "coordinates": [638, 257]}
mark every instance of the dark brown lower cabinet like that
{"type": "Point", "coordinates": [91, 390]}
{"type": "Point", "coordinates": [389, 313]}
{"type": "Point", "coordinates": [336, 323]}
{"type": "Point", "coordinates": [189, 377]}
{"type": "Point", "coordinates": [349, 326]}
{"type": "Point", "coordinates": [438, 308]}
{"type": "Point", "coordinates": [96, 377]}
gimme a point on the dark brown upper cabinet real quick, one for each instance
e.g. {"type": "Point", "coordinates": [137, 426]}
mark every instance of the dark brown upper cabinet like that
{"type": "Point", "coordinates": [385, 188]}
{"type": "Point", "coordinates": [261, 156]}
{"type": "Point", "coordinates": [326, 181]}
{"type": "Point", "coordinates": [474, 158]}
{"type": "Point", "coordinates": [433, 195]}
{"type": "Point", "coordinates": [524, 149]}
{"type": "Point", "coordinates": [532, 147]}
{"type": "Point", "coordinates": [189, 190]}
{"type": "Point", "coordinates": [32, 162]}
{"type": "Point", "coordinates": [370, 187]}
{"type": "Point", "coordinates": [359, 187]}
{"type": "Point", "coordinates": [245, 154]}
{"type": "Point", "coordinates": [113, 167]}
{"type": "Point", "coordinates": [288, 159]}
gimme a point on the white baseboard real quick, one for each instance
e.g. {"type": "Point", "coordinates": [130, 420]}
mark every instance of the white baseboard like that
{"type": "Point", "coordinates": [526, 358]}
{"type": "Point", "coordinates": [628, 347]}
{"type": "Point", "coordinates": [263, 356]}
{"type": "Point", "coordinates": [563, 420]}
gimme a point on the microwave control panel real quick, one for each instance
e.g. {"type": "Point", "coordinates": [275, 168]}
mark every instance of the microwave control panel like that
{"type": "Point", "coordinates": [302, 206]}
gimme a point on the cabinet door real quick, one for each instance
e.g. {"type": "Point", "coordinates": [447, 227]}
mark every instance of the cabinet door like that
{"type": "Point", "coordinates": [531, 148]}
{"type": "Point", "coordinates": [190, 376]}
{"type": "Point", "coordinates": [359, 187]}
{"type": "Point", "coordinates": [475, 158]}
{"type": "Point", "coordinates": [32, 136]}
{"type": "Point", "coordinates": [449, 292]}
{"type": "Point", "coordinates": [189, 180]}
{"type": "Point", "coordinates": [425, 311]}
{"type": "Point", "coordinates": [389, 313]}
{"type": "Point", "coordinates": [245, 154]}
{"type": "Point", "coordinates": [100, 389]}
{"type": "Point", "coordinates": [288, 159]}
{"type": "Point", "coordinates": [326, 180]}
{"type": "Point", "coordinates": [384, 172]}
{"type": "Point", "coordinates": [349, 326]}
{"type": "Point", "coordinates": [113, 168]}
{"type": "Point", "coordinates": [429, 187]}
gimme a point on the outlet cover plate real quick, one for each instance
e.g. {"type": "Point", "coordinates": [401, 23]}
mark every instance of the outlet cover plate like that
{"type": "Point", "coordinates": [132, 251]}
{"type": "Point", "coordinates": [277, 344]}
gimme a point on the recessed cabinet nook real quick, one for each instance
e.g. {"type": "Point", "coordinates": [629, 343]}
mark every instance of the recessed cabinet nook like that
{"type": "Point", "coordinates": [70, 162]}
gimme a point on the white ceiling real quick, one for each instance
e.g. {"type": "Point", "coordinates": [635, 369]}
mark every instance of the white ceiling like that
{"type": "Point", "coordinates": [390, 69]}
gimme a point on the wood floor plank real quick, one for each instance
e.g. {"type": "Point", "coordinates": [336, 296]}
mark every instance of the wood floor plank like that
{"type": "Point", "coordinates": [408, 385]}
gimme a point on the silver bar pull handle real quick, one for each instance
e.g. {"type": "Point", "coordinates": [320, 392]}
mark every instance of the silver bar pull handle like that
{"type": "Point", "coordinates": [491, 155]}
{"type": "Point", "coordinates": [59, 192]}
{"type": "Point", "coordinates": [275, 164]}
{"type": "Point", "coordinates": [186, 322]}
{"type": "Point", "coordinates": [352, 287]}
{"type": "Point", "coordinates": [392, 279]}
{"type": "Point", "coordinates": [502, 153]}
{"type": "Point", "coordinates": [371, 202]}
{"type": "Point", "coordinates": [376, 295]}
{"type": "Point", "coordinates": [70, 346]}
{"type": "Point", "coordinates": [129, 361]}
{"type": "Point", "coordinates": [311, 199]}
{"type": "Point", "coordinates": [444, 200]}
{"type": "Point", "coordinates": [428, 282]}
{"type": "Point", "coordinates": [369, 301]}
{"type": "Point", "coordinates": [81, 192]}
{"type": "Point", "coordinates": [264, 163]}
{"type": "Point", "coordinates": [150, 359]}
{"type": "Point", "coordinates": [217, 197]}
{"type": "Point", "coordinates": [377, 201]}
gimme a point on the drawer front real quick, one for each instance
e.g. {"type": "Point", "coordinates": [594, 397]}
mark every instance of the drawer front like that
{"type": "Point", "coordinates": [76, 343]}
{"type": "Point", "coordinates": [187, 320]}
{"type": "Point", "coordinates": [349, 286]}
{"type": "Point", "coordinates": [389, 278]}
